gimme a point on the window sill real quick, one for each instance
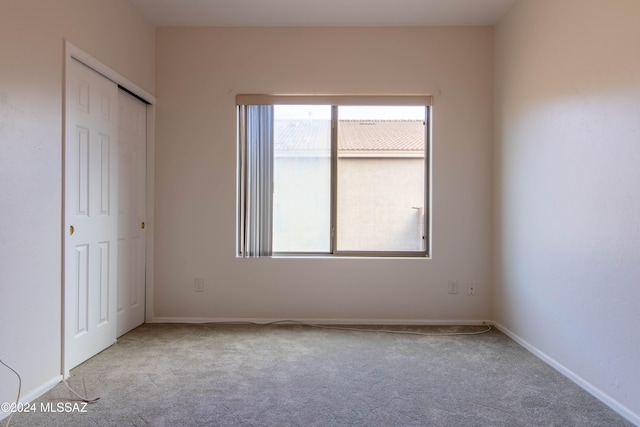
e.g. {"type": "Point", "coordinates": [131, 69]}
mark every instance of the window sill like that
{"type": "Point", "coordinates": [347, 257]}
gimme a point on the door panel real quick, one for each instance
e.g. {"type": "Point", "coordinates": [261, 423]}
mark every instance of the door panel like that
{"type": "Point", "coordinates": [81, 287]}
{"type": "Point", "coordinates": [131, 211]}
{"type": "Point", "coordinates": [91, 220]}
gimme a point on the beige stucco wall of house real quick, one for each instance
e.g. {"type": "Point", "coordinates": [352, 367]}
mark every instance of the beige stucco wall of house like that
{"type": "Point", "coordinates": [380, 204]}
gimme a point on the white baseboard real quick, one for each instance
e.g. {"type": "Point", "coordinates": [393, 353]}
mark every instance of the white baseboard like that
{"type": "Point", "coordinates": [34, 394]}
{"type": "Point", "coordinates": [323, 321]}
{"type": "Point", "coordinates": [598, 394]}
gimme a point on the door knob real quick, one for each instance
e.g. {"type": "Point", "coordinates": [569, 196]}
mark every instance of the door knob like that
{"type": "Point", "coordinates": [71, 230]}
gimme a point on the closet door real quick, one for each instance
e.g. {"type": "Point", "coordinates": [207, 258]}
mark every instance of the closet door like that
{"type": "Point", "coordinates": [132, 143]}
{"type": "Point", "coordinates": [91, 213]}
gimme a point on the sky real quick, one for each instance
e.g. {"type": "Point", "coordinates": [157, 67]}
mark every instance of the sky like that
{"type": "Point", "coordinates": [323, 112]}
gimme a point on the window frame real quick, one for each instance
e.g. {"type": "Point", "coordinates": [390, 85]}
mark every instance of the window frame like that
{"type": "Point", "coordinates": [336, 101]}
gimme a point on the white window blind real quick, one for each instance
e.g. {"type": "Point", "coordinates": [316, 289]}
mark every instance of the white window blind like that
{"type": "Point", "coordinates": [256, 180]}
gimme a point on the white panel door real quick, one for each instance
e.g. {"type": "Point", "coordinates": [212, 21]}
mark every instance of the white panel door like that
{"type": "Point", "coordinates": [132, 143]}
{"type": "Point", "coordinates": [91, 214]}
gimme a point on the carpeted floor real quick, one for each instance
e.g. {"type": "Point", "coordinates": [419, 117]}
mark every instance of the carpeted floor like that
{"type": "Point", "coordinates": [293, 375]}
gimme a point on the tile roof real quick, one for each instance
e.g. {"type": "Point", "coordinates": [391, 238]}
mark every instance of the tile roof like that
{"type": "Point", "coordinates": [380, 135]}
{"type": "Point", "coordinates": [353, 135]}
{"type": "Point", "coordinates": [304, 135]}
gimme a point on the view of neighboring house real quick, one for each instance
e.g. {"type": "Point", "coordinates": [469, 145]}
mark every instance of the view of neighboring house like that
{"type": "Point", "coordinates": [380, 185]}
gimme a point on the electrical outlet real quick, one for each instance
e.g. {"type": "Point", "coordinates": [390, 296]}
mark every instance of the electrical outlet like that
{"type": "Point", "coordinates": [198, 285]}
{"type": "Point", "coordinates": [453, 287]}
{"type": "Point", "coordinates": [472, 288]}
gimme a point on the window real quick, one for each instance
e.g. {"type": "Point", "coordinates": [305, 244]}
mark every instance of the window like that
{"type": "Point", "coordinates": [333, 175]}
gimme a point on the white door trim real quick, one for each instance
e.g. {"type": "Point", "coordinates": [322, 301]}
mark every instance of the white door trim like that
{"type": "Point", "coordinates": [73, 52]}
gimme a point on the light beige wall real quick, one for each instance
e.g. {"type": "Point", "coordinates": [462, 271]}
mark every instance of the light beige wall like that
{"type": "Point", "coordinates": [199, 72]}
{"type": "Point", "coordinates": [567, 134]}
{"type": "Point", "coordinates": [32, 34]}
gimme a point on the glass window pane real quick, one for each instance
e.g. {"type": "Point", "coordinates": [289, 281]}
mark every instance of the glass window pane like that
{"type": "Point", "coordinates": [381, 178]}
{"type": "Point", "coordinates": [302, 178]}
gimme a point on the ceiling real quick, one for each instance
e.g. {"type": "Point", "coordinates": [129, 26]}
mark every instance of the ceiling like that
{"type": "Point", "coordinates": [322, 13]}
